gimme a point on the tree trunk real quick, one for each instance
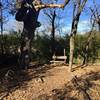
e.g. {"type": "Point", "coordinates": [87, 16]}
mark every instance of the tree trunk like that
{"type": "Point", "coordinates": [53, 33]}
{"type": "Point", "coordinates": [85, 60]}
{"type": "Point", "coordinates": [72, 39]}
{"type": "Point", "coordinates": [76, 16]}
{"type": "Point", "coordinates": [99, 26]}
{"type": "Point", "coordinates": [25, 49]}
{"type": "Point", "coordinates": [2, 45]}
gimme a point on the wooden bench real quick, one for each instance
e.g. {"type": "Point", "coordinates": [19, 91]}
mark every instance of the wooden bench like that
{"type": "Point", "coordinates": [59, 59]}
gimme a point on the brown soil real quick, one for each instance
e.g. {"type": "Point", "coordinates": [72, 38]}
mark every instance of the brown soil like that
{"type": "Point", "coordinates": [50, 82]}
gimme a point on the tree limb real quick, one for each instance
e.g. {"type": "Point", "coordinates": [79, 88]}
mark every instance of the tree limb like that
{"type": "Point", "coordinates": [81, 6]}
{"type": "Point", "coordinates": [41, 6]}
{"type": "Point", "coordinates": [66, 2]}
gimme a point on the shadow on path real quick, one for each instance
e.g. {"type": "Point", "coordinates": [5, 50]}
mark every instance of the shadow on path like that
{"type": "Point", "coordinates": [87, 87]}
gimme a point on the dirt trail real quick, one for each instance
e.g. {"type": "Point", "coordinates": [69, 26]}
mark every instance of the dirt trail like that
{"type": "Point", "coordinates": [45, 82]}
{"type": "Point", "coordinates": [54, 78]}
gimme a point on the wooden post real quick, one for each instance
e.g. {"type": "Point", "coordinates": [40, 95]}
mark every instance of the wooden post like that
{"type": "Point", "coordinates": [64, 55]}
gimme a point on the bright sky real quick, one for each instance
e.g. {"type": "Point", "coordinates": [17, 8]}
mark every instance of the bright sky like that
{"type": "Point", "coordinates": [84, 23]}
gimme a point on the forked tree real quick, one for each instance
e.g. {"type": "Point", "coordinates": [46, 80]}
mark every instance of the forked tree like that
{"type": "Point", "coordinates": [28, 12]}
{"type": "Point", "coordinates": [95, 21]}
{"type": "Point", "coordinates": [78, 7]}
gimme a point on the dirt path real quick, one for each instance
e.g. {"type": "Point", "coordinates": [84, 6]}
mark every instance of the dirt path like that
{"type": "Point", "coordinates": [45, 82]}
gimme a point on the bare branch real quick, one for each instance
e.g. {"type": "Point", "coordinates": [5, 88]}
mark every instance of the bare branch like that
{"type": "Point", "coordinates": [95, 14]}
{"type": "Point", "coordinates": [79, 3]}
{"type": "Point", "coordinates": [82, 6]}
{"type": "Point", "coordinates": [41, 6]}
{"type": "Point", "coordinates": [66, 2]}
{"type": "Point", "coordinates": [96, 9]}
{"type": "Point", "coordinates": [74, 9]}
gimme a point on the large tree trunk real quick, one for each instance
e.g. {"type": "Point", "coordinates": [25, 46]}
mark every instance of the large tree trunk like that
{"type": "Point", "coordinates": [25, 49]}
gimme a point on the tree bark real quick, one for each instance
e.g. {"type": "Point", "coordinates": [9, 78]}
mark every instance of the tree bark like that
{"type": "Point", "coordinates": [2, 42]}
{"type": "Point", "coordinates": [76, 15]}
{"type": "Point", "coordinates": [72, 45]}
{"type": "Point", "coordinates": [99, 26]}
{"type": "Point", "coordinates": [25, 56]}
{"type": "Point", "coordinates": [53, 33]}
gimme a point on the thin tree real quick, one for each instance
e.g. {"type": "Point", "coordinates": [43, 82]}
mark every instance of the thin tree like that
{"type": "Point", "coordinates": [4, 12]}
{"type": "Point", "coordinates": [1, 21]}
{"type": "Point", "coordinates": [94, 20]}
{"type": "Point", "coordinates": [52, 16]}
{"type": "Point", "coordinates": [78, 7]}
{"type": "Point", "coordinates": [85, 47]}
{"type": "Point", "coordinates": [95, 14]}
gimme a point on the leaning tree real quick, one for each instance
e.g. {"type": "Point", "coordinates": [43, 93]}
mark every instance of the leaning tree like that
{"type": "Point", "coordinates": [78, 7]}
